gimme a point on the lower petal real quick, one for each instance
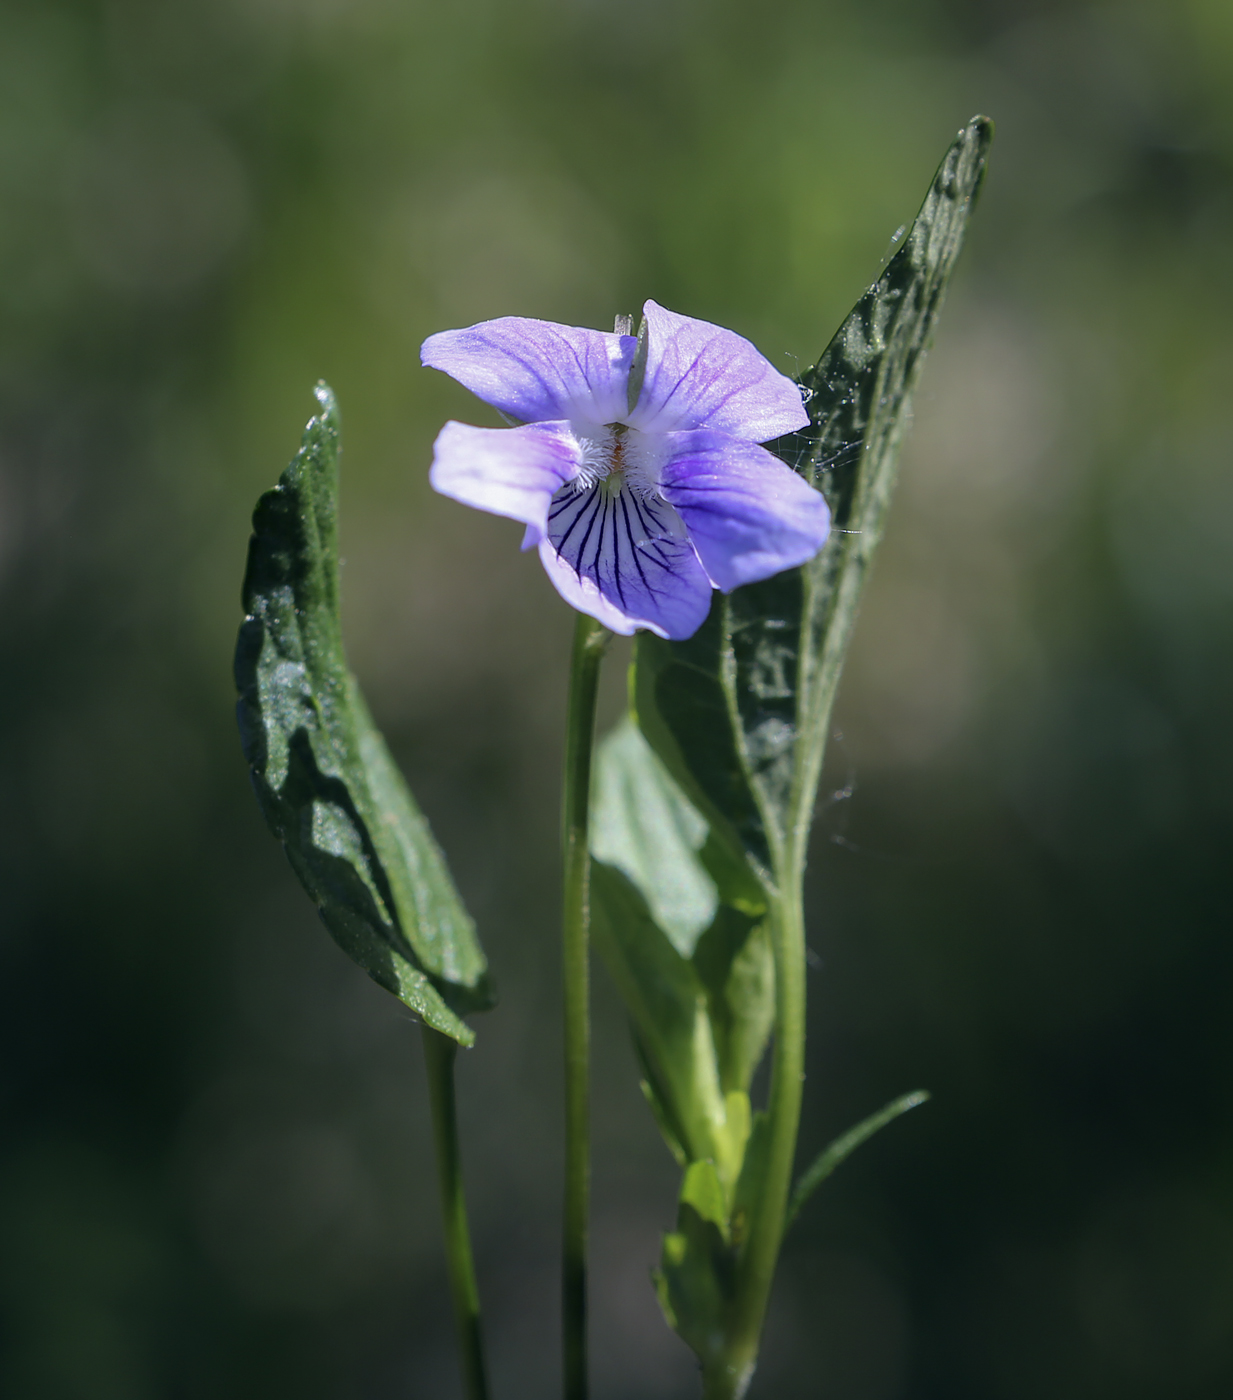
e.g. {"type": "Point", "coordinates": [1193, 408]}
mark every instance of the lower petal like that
{"type": "Point", "coordinates": [624, 560]}
{"type": "Point", "coordinates": [506, 471]}
{"type": "Point", "coordinates": [748, 514]}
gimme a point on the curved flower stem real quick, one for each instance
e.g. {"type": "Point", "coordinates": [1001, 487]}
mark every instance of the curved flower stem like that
{"type": "Point", "coordinates": [756, 1269]}
{"type": "Point", "coordinates": [439, 1054]}
{"type": "Point", "coordinates": [590, 641]}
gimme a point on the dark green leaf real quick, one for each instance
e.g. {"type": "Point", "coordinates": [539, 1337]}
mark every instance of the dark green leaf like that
{"type": "Point", "coordinates": [326, 781]}
{"type": "Point", "coordinates": [738, 712]}
{"type": "Point", "coordinates": [681, 699]}
{"type": "Point", "coordinates": [827, 1160]}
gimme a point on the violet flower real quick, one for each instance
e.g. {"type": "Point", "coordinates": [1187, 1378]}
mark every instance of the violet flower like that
{"type": "Point", "coordinates": [641, 481]}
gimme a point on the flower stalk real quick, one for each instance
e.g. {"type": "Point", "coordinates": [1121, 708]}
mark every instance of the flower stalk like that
{"type": "Point", "coordinates": [439, 1055]}
{"type": "Point", "coordinates": [590, 642]}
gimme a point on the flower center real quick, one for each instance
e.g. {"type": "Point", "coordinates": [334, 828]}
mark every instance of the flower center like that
{"type": "Point", "coordinates": [617, 458]}
{"type": "Point", "coordinates": [614, 456]}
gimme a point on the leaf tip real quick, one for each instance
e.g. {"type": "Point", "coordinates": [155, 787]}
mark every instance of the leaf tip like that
{"type": "Point", "coordinates": [327, 416]}
{"type": "Point", "coordinates": [978, 135]}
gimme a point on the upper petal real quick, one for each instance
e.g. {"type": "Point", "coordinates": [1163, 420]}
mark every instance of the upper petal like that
{"type": "Point", "coordinates": [748, 514]}
{"type": "Point", "coordinates": [702, 376]}
{"type": "Point", "coordinates": [536, 370]}
{"type": "Point", "coordinates": [507, 471]}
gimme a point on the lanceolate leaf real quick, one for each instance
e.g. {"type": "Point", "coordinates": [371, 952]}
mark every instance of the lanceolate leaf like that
{"type": "Point", "coordinates": [327, 784]}
{"type": "Point", "coordinates": [739, 712]}
{"type": "Point", "coordinates": [736, 717]}
{"type": "Point", "coordinates": [829, 1158]}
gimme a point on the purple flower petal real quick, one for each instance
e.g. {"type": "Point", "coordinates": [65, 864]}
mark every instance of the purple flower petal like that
{"type": "Point", "coordinates": [622, 557]}
{"type": "Point", "coordinates": [702, 376]}
{"type": "Point", "coordinates": [506, 471]}
{"type": "Point", "coordinates": [748, 514]}
{"type": "Point", "coordinates": [537, 371]}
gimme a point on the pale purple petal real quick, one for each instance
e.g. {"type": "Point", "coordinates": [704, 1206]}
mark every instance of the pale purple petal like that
{"type": "Point", "coordinates": [623, 558]}
{"type": "Point", "coordinates": [536, 371]}
{"type": "Point", "coordinates": [506, 471]}
{"type": "Point", "coordinates": [702, 376]}
{"type": "Point", "coordinates": [748, 514]}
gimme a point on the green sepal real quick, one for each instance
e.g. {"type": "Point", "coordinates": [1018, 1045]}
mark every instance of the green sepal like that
{"type": "Point", "coordinates": [326, 782]}
{"type": "Point", "coordinates": [738, 712]}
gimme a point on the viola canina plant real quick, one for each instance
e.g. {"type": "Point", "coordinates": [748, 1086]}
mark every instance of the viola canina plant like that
{"type": "Point", "coordinates": [638, 472]}
{"type": "Point", "coordinates": [681, 490]}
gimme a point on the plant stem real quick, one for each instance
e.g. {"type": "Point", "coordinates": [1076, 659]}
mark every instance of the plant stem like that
{"type": "Point", "coordinates": [756, 1268]}
{"type": "Point", "coordinates": [590, 640]}
{"type": "Point", "coordinates": [439, 1055]}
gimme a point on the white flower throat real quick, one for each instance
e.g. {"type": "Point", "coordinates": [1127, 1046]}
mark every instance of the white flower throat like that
{"type": "Point", "coordinates": [616, 456]}
{"type": "Point", "coordinates": [610, 524]}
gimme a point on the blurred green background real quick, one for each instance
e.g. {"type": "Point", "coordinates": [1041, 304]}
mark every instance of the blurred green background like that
{"type": "Point", "coordinates": [215, 1178]}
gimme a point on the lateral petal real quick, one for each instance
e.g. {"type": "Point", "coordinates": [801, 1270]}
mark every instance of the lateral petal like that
{"type": "Point", "coordinates": [506, 471]}
{"type": "Point", "coordinates": [536, 371]}
{"type": "Point", "coordinates": [748, 514]}
{"type": "Point", "coordinates": [703, 376]}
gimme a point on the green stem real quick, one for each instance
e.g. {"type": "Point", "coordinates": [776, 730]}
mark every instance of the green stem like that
{"type": "Point", "coordinates": [439, 1055]}
{"type": "Point", "coordinates": [756, 1269]}
{"type": "Point", "coordinates": [590, 640]}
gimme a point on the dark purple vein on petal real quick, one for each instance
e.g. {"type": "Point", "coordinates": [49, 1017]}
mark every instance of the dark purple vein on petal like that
{"type": "Point", "coordinates": [633, 544]}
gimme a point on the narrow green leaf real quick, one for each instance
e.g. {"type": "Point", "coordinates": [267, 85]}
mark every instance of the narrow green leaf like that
{"type": "Point", "coordinates": [325, 779]}
{"type": "Point", "coordinates": [738, 713]}
{"type": "Point", "coordinates": [844, 1146]}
